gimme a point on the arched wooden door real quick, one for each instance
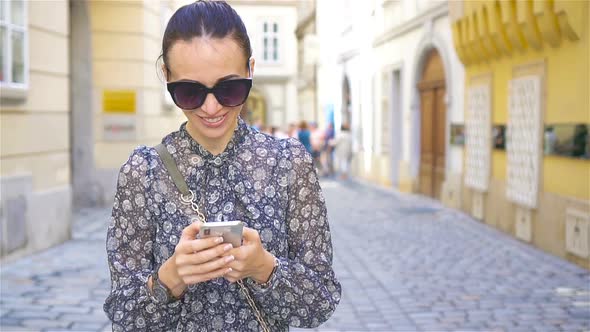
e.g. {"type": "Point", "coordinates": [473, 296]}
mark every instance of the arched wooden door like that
{"type": "Point", "coordinates": [432, 126]}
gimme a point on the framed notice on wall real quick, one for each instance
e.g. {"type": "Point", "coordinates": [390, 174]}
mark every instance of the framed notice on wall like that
{"type": "Point", "coordinates": [119, 122]}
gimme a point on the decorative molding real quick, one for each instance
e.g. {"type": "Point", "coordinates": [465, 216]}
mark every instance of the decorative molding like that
{"type": "Point", "coordinates": [496, 29]}
{"type": "Point", "coordinates": [430, 14]}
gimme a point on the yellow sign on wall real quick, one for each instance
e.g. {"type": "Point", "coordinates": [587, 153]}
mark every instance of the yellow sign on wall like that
{"type": "Point", "coordinates": [118, 101]}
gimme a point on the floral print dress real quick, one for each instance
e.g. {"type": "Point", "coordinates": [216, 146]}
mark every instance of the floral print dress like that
{"type": "Point", "coordinates": [269, 184]}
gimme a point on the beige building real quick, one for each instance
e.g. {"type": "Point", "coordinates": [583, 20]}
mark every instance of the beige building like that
{"type": "Point", "coordinates": [80, 88]}
{"type": "Point", "coordinates": [307, 67]}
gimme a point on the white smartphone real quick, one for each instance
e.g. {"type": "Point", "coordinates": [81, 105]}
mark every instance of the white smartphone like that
{"type": "Point", "coordinates": [231, 231]}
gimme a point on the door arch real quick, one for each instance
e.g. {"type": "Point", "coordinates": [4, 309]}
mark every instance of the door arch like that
{"type": "Point", "coordinates": [432, 91]}
{"type": "Point", "coordinates": [254, 111]}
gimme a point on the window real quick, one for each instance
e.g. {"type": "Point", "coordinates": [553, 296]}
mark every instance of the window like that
{"type": "Point", "coordinates": [270, 41]}
{"type": "Point", "coordinates": [14, 41]}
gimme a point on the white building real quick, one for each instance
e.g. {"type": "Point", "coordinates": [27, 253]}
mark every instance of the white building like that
{"type": "Point", "coordinates": [390, 70]}
{"type": "Point", "coordinates": [271, 26]}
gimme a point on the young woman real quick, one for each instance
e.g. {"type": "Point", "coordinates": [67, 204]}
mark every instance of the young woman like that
{"type": "Point", "coordinates": [163, 277]}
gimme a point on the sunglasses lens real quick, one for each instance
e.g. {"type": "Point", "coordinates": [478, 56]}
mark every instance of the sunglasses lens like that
{"type": "Point", "coordinates": [188, 96]}
{"type": "Point", "coordinates": [233, 92]}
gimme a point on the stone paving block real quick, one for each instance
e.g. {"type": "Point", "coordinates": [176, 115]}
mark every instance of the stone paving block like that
{"type": "Point", "coordinates": [61, 309]}
{"type": "Point", "coordinates": [33, 314]}
{"type": "Point", "coordinates": [44, 323]}
{"type": "Point", "coordinates": [6, 326]}
{"type": "Point", "coordinates": [86, 326]}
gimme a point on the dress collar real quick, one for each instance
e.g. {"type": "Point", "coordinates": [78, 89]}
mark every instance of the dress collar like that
{"type": "Point", "coordinates": [238, 137]}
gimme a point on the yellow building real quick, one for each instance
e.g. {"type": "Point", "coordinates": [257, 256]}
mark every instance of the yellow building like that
{"type": "Point", "coordinates": [79, 89]}
{"type": "Point", "coordinates": [527, 75]}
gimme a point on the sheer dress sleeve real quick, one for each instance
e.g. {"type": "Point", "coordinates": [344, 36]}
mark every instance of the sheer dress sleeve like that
{"type": "Point", "coordinates": [130, 237]}
{"type": "Point", "coordinates": [304, 291]}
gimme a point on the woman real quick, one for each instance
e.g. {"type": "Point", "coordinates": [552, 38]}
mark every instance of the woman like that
{"type": "Point", "coordinates": [163, 277]}
{"type": "Point", "coordinates": [304, 135]}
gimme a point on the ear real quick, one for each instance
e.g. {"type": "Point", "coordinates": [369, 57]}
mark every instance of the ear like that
{"type": "Point", "coordinates": [252, 63]}
{"type": "Point", "coordinates": [164, 72]}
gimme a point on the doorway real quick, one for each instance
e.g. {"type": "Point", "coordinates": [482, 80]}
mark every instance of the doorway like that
{"type": "Point", "coordinates": [433, 121]}
{"type": "Point", "coordinates": [396, 127]}
{"type": "Point", "coordinates": [254, 111]}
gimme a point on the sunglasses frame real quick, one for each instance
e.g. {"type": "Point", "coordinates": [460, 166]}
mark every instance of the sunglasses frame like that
{"type": "Point", "coordinates": [171, 87]}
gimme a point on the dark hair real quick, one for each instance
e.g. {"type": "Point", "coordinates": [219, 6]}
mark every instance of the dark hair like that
{"type": "Point", "coordinates": [215, 19]}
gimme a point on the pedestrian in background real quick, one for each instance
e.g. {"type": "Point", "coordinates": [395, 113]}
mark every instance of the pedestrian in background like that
{"type": "Point", "coordinates": [304, 135]}
{"type": "Point", "coordinates": [343, 151]}
{"type": "Point", "coordinates": [164, 278]}
{"type": "Point", "coordinates": [317, 144]}
{"type": "Point", "coordinates": [328, 150]}
{"type": "Point", "coordinates": [293, 131]}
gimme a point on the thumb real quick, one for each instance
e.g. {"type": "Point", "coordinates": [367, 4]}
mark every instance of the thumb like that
{"type": "Point", "coordinates": [190, 232]}
{"type": "Point", "coordinates": [250, 235]}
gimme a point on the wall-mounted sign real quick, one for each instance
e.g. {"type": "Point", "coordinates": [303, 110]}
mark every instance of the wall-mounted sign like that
{"type": "Point", "coordinates": [567, 140]}
{"type": "Point", "coordinates": [457, 134]}
{"type": "Point", "coordinates": [499, 137]}
{"type": "Point", "coordinates": [119, 127]}
{"type": "Point", "coordinates": [119, 101]}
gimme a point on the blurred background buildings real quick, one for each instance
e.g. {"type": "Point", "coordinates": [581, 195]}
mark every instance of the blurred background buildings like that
{"type": "Point", "coordinates": [484, 105]}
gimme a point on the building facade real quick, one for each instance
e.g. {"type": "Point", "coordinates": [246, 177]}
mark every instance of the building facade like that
{"type": "Point", "coordinates": [307, 49]}
{"type": "Point", "coordinates": [81, 86]}
{"type": "Point", "coordinates": [271, 26]}
{"type": "Point", "coordinates": [527, 111]}
{"type": "Point", "coordinates": [398, 83]}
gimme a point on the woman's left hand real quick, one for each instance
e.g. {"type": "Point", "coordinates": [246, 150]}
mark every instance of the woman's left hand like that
{"type": "Point", "coordinates": [250, 260]}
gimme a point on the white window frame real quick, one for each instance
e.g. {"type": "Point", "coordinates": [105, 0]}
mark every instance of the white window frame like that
{"type": "Point", "coordinates": [270, 35]}
{"type": "Point", "coordinates": [8, 88]}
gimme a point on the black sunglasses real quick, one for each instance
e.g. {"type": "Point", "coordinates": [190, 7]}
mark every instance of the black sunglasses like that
{"type": "Point", "coordinates": [190, 95]}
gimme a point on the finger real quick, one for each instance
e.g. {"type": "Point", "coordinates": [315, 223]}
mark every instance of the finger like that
{"type": "Point", "coordinates": [190, 232]}
{"type": "Point", "coordinates": [189, 270]}
{"type": "Point", "coordinates": [195, 279]}
{"type": "Point", "coordinates": [207, 255]}
{"type": "Point", "coordinates": [250, 235]}
{"type": "Point", "coordinates": [236, 266]}
{"type": "Point", "coordinates": [193, 246]}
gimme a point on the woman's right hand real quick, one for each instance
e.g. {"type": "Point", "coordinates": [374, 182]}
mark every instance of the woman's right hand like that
{"type": "Point", "coordinates": [199, 260]}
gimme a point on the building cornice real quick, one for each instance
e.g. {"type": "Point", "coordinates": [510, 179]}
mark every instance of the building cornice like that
{"type": "Point", "coordinates": [344, 57]}
{"type": "Point", "coordinates": [430, 14]}
{"type": "Point", "coordinates": [304, 23]}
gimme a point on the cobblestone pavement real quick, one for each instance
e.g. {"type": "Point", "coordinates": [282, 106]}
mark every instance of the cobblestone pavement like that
{"type": "Point", "coordinates": [405, 263]}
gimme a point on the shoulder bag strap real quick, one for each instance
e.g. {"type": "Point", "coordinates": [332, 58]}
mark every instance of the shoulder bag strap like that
{"type": "Point", "coordinates": [172, 169]}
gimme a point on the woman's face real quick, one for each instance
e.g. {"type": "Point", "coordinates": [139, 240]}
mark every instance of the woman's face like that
{"type": "Point", "coordinates": [209, 61]}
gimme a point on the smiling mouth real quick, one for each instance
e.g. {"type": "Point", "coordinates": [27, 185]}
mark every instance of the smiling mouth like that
{"type": "Point", "coordinates": [213, 120]}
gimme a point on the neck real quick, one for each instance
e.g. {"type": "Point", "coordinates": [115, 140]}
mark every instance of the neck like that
{"type": "Point", "coordinates": [214, 145]}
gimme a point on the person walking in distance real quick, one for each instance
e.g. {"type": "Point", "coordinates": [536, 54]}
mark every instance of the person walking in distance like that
{"type": "Point", "coordinates": [343, 151]}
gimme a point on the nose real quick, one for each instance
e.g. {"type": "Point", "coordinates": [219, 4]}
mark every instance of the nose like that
{"type": "Point", "coordinates": [211, 105]}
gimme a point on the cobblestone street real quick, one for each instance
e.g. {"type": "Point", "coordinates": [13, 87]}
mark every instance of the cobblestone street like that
{"type": "Point", "coordinates": [405, 263]}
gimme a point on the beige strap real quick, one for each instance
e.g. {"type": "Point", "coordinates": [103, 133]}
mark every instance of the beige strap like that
{"type": "Point", "coordinates": [172, 169]}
